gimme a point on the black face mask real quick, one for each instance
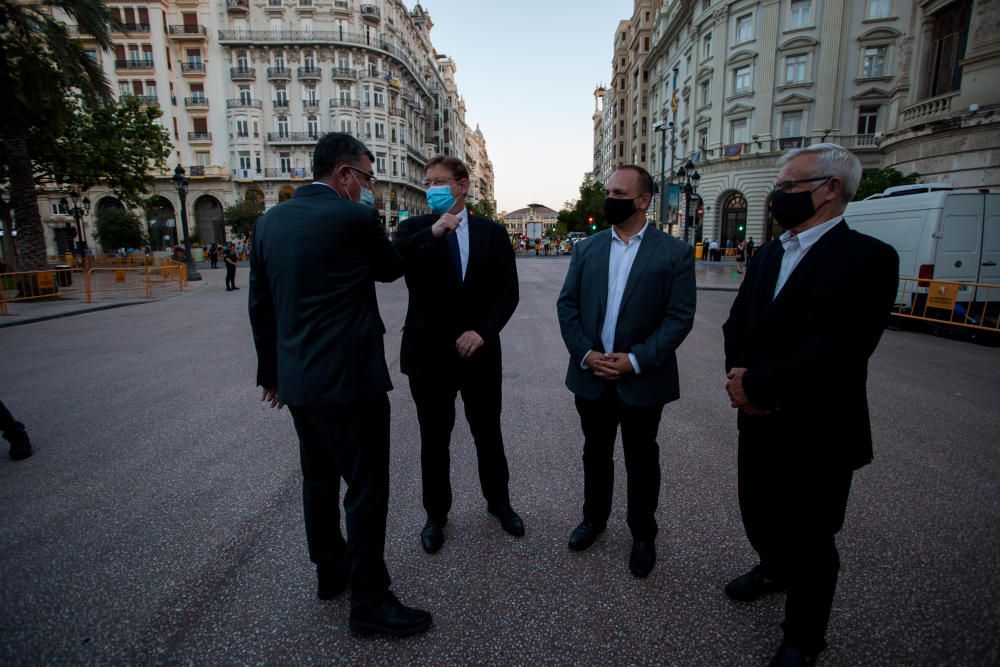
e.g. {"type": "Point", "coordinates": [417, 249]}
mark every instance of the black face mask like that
{"type": "Point", "coordinates": [617, 211]}
{"type": "Point", "coordinates": [791, 209]}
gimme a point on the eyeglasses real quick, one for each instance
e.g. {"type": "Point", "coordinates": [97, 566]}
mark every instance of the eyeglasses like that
{"type": "Point", "coordinates": [439, 181]}
{"type": "Point", "coordinates": [787, 186]}
{"type": "Point", "coordinates": [371, 177]}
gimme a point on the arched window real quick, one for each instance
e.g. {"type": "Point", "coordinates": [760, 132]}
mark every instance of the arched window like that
{"type": "Point", "coordinates": [734, 220]}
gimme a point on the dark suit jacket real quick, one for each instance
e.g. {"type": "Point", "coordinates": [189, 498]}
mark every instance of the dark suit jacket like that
{"type": "Point", "coordinates": [440, 310]}
{"type": "Point", "coordinates": [807, 351]}
{"type": "Point", "coordinates": [656, 314]}
{"type": "Point", "coordinates": [313, 311]}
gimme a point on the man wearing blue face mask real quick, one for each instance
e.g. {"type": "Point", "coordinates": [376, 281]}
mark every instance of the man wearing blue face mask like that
{"type": "Point", "coordinates": [318, 335]}
{"type": "Point", "coordinates": [463, 289]}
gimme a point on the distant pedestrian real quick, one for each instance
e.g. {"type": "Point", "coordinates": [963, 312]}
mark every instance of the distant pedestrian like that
{"type": "Point", "coordinates": [741, 256]}
{"type": "Point", "coordinates": [231, 259]}
{"type": "Point", "coordinates": [749, 248]}
{"type": "Point", "coordinates": [713, 250]}
{"type": "Point", "coordinates": [213, 255]}
{"type": "Point", "coordinates": [14, 433]}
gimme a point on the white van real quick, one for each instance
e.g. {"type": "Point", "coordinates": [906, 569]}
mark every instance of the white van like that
{"type": "Point", "coordinates": [942, 235]}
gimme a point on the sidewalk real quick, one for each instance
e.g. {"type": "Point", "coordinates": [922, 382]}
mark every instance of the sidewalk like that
{"type": "Point", "coordinates": [718, 276]}
{"type": "Point", "coordinates": [24, 312]}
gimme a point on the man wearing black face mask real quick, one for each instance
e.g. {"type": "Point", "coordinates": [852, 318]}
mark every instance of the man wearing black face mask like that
{"type": "Point", "coordinates": [626, 305]}
{"type": "Point", "coordinates": [808, 315]}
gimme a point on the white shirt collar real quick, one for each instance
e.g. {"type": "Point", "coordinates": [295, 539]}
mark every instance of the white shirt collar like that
{"type": "Point", "coordinates": [809, 237]}
{"type": "Point", "coordinates": [463, 217]}
{"type": "Point", "coordinates": [637, 235]}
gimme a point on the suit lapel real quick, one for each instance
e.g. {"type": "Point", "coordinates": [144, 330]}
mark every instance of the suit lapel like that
{"type": "Point", "coordinates": [642, 256]}
{"type": "Point", "coordinates": [479, 240]}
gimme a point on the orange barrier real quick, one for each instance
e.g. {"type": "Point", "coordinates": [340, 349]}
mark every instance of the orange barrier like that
{"type": "Point", "coordinates": [34, 285]}
{"type": "Point", "coordinates": [959, 304]}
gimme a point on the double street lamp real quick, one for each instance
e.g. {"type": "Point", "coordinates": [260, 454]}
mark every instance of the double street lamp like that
{"type": "Point", "coordinates": [689, 178]}
{"type": "Point", "coordinates": [77, 210]}
{"type": "Point", "coordinates": [181, 183]}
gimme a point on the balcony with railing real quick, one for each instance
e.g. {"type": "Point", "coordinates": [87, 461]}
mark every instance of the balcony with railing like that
{"type": "Point", "coordinates": [134, 64]}
{"type": "Point", "coordinates": [242, 73]}
{"type": "Point", "coordinates": [371, 13]}
{"type": "Point", "coordinates": [244, 103]}
{"type": "Point", "coordinates": [344, 74]}
{"type": "Point", "coordinates": [292, 137]}
{"type": "Point", "coordinates": [193, 68]}
{"type": "Point", "coordinates": [133, 29]}
{"type": "Point", "coordinates": [929, 110]}
{"type": "Point", "coordinates": [345, 104]}
{"type": "Point", "coordinates": [416, 154]}
{"type": "Point", "coordinates": [289, 173]}
{"type": "Point", "coordinates": [310, 73]}
{"type": "Point", "coordinates": [143, 99]}
{"type": "Point", "coordinates": [188, 31]}
{"type": "Point", "coordinates": [341, 6]}
{"type": "Point", "coordinates": [238, 6]}
{"type": "Point", "coordinates": [199, 137]}
{"type": "Point", "coordinates": [310, 106]}
{"type": "Point", "coordinates": [305, 5]}
{"type": "Point", "coordinates": [279, 73]}
{"type": "Point", "coordinates": [280, 104]}
{"type": "Point", "coordinates": [196, 102]}
{"type": "Point", "coordinates": [397, 113]}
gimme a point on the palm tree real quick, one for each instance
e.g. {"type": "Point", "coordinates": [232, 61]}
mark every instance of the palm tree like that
{"type": "Point", "coordinates": [41, 64]}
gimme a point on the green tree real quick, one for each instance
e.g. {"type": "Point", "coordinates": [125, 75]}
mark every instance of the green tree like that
{"type": "Point", "coordinates": [40, 64]}
{"type": "Point", "coordinates": [576, 215]}
{"type": "Point", "coordinates": [118, 228]}
{"type": "Point", "coordinates": [876, 181]}
{"type": "Point", "coordinates": [240, 217]}
{"type": "Point", "coordinates": [483, 208]}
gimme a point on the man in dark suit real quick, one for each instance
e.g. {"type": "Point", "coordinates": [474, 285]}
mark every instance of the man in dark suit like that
{"type": "Point", "coordinates": [463, 288]}
{"type": "Point", "coordinates": [318, 335]}
{"type": "Point", "coordinates": [808, 316]}
{"type": "Point", "coordinates": [626, 305]}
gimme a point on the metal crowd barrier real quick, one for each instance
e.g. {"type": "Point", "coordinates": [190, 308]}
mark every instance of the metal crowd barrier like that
{"type": "Point", "coordinates": [33, 285]}
{"type": "Point", "coordinates": [960, 304]}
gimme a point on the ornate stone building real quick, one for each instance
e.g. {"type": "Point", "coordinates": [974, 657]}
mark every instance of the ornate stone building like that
{"type": "Point", "coordinates": [247, 87]}
{"type": "Point", "coordinates": [908, 84]}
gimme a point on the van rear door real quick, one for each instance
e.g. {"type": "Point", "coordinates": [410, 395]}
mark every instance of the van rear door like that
{"type": "Point", "coordinates": [960, 245]}
{"type": "Point", "coordinates": [989, 266]}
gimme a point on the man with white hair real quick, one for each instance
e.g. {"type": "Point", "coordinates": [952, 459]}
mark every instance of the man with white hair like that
{"type": "Point", "coordinates": [808, 315]}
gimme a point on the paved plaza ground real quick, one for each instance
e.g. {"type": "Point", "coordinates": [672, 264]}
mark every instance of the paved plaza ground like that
{"type": "Point", "coordinates": [160, 519]}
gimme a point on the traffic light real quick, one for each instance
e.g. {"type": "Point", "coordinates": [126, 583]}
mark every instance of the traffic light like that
{"type": "Point", "coordinates": [590, 221]}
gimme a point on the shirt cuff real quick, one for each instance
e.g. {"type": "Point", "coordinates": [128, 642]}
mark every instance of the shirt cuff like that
{"type": "Point", "coordinates": [635, 364]}
{"type": "Point", "coordinates": [583, 362]}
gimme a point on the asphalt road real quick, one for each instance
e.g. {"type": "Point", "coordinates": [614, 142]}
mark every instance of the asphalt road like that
{"type": "Point", "coordinates": [159, 520]}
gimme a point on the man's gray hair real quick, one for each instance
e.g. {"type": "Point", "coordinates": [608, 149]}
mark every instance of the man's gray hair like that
{"type": "Point", "coordinates": [831, 160]}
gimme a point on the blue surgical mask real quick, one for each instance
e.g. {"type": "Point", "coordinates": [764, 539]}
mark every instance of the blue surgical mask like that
{"type": "Point", "coordinates": [439, 199]}
{"type": "Point", "coordinates": [367, 197]}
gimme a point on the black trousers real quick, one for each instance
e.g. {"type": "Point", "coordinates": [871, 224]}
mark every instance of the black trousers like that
{"type": "Point", "coordinates": [434, 394]}
{"type": "Point", "coordinates": [349, 442]}
{"type": "Point", "coordinates": [600, 420]}
{"type": "Point", "coordinates": [793, 505]}
{"type": "Point", "coordinates": [13, 430]}
{"type": "Point", "coordinates": [230, 276]}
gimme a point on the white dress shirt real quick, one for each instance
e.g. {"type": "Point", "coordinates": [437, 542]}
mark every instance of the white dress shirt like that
{"type": "Point", "coordinates": [796, 246]}
{"type": "Point", "coordinates": [462, 233]}
{"type": "Point", "coordinates": [620, 262]}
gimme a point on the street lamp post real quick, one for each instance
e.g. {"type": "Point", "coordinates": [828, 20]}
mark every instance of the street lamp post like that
{"type": "Point", "coordinates": [181, 184]}
{"type": "Point", "coordinates": [78, 210]}
{"type": "Point", "coordinates": [661, 127]}
{"type": "Point", "coordinates": [689, 177]}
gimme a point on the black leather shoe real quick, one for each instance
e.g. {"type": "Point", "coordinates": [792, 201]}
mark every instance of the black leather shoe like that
{"type": "Point", "coordinates": [509, 520]}
{"type": "Point", "coordinates": [584, 535]}
{"type": "Point", "coordinates": [752, 585]}
{"type": "Point", "coordinates": [642, 559]}
{"type": "Point", "coordinates": [331, 581]}
{"type": "Point", "coordinates": [389, 617]}
{"type": "Point", "coordinates": [432, 536]}
{"type": "Point", "coordinates": [789, 656]}
{"type": "Point", "coordinates": [20, 450]}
